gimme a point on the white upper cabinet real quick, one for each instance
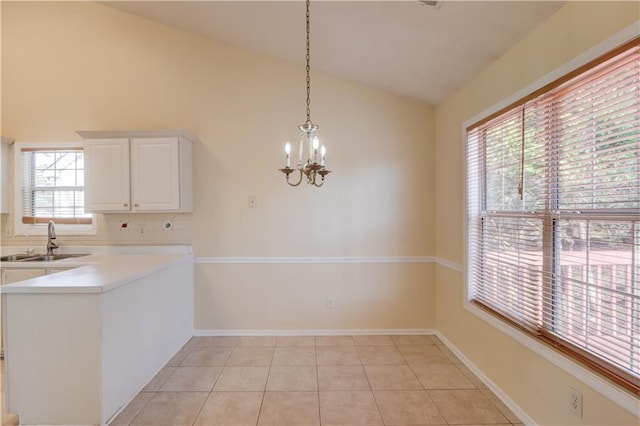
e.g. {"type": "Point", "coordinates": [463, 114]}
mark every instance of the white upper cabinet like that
{"type": "Point", "coordinates": [106, 176]}
{"type": "Point", "coordinates": [146, 172]}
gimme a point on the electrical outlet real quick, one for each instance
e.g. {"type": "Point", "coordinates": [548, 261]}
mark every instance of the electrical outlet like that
{"type": "Point", "coordinates": [253, 201]}
{"type": "Point", "coordinates": [142, 230]}
{"type": "Point", "coordinates": [575, 402]}
{"type": "Point", "coordinates": [331, 303]}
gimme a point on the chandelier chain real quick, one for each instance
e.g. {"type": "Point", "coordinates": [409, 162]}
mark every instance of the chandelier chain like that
{"type": "Point", "coordinates": [308, 57]}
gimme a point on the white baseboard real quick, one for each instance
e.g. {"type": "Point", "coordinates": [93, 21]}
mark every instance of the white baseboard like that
{"type": "Point", "coordinates": [315, 332]}
{"type": "Point", "coordinates": [510, 403]}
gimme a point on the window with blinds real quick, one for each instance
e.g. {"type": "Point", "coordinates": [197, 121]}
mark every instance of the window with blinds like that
{"type": "Point", "coordinates": [52, 185]}
{"type": "Point", "coordinates": [554, 214]}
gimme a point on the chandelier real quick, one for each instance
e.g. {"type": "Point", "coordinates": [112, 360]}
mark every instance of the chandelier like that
{"type": "Point", "coordinates": [313, 167]}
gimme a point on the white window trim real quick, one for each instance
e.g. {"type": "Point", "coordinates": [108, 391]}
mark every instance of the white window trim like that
{"type": "Point", "coordinates": [41, 229]}
{"type": "Point", "coordinates": [613, 392]}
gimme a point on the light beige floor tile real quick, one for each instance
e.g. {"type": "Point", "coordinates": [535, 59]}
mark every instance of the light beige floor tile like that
{"type": "Point", "coordinates": [420, 355]}
{"type": "Point", "coordinates": [334, 341]}
{"type": "Point", "coordinates": [242, 379]}
{"type": "Point", "coordinates": [207, 356]}
{"type": "Point", "coordinates": [380, 355]}
{"type": "Point", "coordinates": [436, 340]}
{"type": "Point", "coordinates": [132, 409]}
{"type": "Point", "coordinates": [407, 408]}
{"type": "Point", "coordinates": [349, 408]}
{"type": "Point", "coordinates": [292, 356]}
{"type": "Point", "coordinates": [250, 356]}
{"type": "Point", "coordinates": [442, 376]}
{"type": "Point", "coordinates": [501, 406]}
{"type": "Point", "coordinates": [257, 341]}
{"type": "Point", "coordinates": [465, 407]}
{"type": "Point", "coordinates": [171, 409]}
{"type": "Point", "coordinates": [292, 379]}
{"type": "Point", "coordinates": [10, 420]}
{"type": "Point", "coordinates": [411, 340]}
{"type": "Point", "coordinates": [373, 340]}
{"type": "Point", "coordinates": [296, 341]}
{"type": "Point", "coordinates": [230, 409]}
{"type": "Point", "coordinates": [342, 377]}
{"type": "Point", "coordinates": [391, 377]}
{"type": "Point", "coordinates": [472, 377]}
{"type": "Point", "coordinates": [191, 379]}
{"type": "Point", "coordinates": [156, 383]}
{"type": "Point", "coordinates": [217, 341]}
{"type": "Point", "coordinates": [193, 341]}
{"type": "Point", "coordinates": [449, 354]}
{"type": "Point", "coordinates": [289, 408]}
{"type": "Point", "coordinates": [337, 355]}
{"type": "Point", "coordinates": [179, 357]}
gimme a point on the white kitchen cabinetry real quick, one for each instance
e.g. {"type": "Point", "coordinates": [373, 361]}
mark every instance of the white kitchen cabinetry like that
{"type": "Point", "coordinates": [145, 172]}
{"type": "Point", "coordinates": [4, 174]}
{"type": "Point", "coordinates": [10, 276]}
{"type": "Point", "coordinates": [106, 177]}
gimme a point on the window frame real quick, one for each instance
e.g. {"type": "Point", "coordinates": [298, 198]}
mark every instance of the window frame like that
{"type": "Point", "coordinates": [63, 227]}
{"type": "Point", "coordinates": [580, 367]}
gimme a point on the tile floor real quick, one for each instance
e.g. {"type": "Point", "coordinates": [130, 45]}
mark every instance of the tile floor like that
{"type": "Point", "coordinates": [5, 419]}
{"type": "Point", "coordinates": [322, 380]}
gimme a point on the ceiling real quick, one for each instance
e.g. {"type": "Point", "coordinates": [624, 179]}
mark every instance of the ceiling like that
{"type": "Point", "coordinates": [404, 47]}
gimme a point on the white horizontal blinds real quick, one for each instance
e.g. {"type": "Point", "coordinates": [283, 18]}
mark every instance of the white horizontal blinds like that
{"type": "Point", "coordinates": [53, 186]}
{"type": "Point", "coordinates": [505, 228]}
{"type": "Point", "coordinates": [594, 124]}
{"type": "Point", "coordinates": [554, 214]}
{"type": "Point", "coordinates": [593, 121]}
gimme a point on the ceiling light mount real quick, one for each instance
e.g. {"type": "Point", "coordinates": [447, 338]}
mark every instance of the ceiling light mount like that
{"type": "Point", "coordinates": [313, 167]}
{"type": "Point", "coordinates": [431, 3]}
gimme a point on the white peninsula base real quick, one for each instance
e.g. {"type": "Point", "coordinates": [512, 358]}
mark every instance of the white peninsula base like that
{"type": "Point", "coordinates": [76, 354]}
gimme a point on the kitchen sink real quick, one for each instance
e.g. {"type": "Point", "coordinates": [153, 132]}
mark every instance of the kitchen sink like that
{"type": "Point", "coordinates": [17, 257]}
{"type": "Point", "coordinates": [39, 257]}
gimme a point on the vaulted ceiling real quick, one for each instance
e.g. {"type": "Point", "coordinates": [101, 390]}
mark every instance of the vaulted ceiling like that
{"type": "Point", "coordinates": [404, 47]}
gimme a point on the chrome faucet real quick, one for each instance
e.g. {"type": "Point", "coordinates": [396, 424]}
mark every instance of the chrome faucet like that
{"type": "Point", "coordinates": [51, 233]}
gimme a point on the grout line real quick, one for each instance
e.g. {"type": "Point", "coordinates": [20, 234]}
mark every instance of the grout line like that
{"type": "Point", "coordinates": [315, 355]}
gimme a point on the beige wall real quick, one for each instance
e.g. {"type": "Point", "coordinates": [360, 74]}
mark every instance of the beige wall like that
{"type": "Point", "coordinates": [82, 66]}
{"type": "Point", "coordinates": [536, 385]}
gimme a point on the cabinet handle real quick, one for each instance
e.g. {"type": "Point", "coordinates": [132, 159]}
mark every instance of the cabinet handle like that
{"type": "Point", "coordinates": [136, 205]}
{"type": "Point", "coordinates": [126, 205]}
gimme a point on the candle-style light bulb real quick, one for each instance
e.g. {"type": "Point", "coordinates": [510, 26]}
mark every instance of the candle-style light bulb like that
{"type": "Point", "coordinates": [323, 152]}
{"type": "Point", "coordinates": [287, 151]}
{"type": "Point", "coordinates": [316, 143]}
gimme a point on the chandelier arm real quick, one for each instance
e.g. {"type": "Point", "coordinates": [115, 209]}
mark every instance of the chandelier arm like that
{"type": "Point", "coordinates": [299, 179]}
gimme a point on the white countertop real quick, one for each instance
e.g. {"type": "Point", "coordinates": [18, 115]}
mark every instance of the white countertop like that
{"type": "Point", "coordinates": [95, 273]}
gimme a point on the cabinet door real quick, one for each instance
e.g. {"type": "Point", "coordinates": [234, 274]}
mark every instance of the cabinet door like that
{"type": "Point", "coordinates": [10, 276]}
{"type": "Point", "coordinates": [155, 174]}
{"type": "Point", "coordinates": [106, 175]}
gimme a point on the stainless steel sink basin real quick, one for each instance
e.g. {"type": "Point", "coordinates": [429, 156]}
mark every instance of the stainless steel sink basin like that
{"type": "Point", "coordinates": [17, 257]}
{"type": "Point", "coordinates": [39, 257]}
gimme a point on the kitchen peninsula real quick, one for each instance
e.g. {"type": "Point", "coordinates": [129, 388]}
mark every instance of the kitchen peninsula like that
{"type": "Point", "coordinates": [82, 342]}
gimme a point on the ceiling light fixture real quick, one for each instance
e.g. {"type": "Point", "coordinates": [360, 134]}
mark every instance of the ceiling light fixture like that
{"type": "Point", "coordinates": [315, 162]}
